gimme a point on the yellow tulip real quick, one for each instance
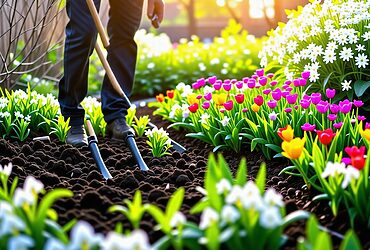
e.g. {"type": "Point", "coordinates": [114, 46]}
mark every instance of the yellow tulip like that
{"type": "Point", "coordinates": [366, 134]}
{"type": "Point", "coordinates": [192, 98]}
{"type": "Point", "coordinates": [294, 148]}
{"type": "Point", "coordinates": [255, 107]}
{"type": "Point", "coordinates": [286, 134]}
{"type": "Point", "coordinates": [219, 99]}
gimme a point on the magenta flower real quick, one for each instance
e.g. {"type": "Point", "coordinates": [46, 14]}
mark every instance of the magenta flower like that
{"type": "Point", "coordinates": [302, 82]}
{"type": "Point", "coordinates": [273, 83]}
{"type": "Point", "coordinates": [358, 103]}
{"type": "Point", "coordinates": [217, 85]}
{"type": "Point", "coordinates": [276, 94]}
{"type": "Point", "coordinates": [306, 74]}
{"type": "Point", "coordinates": [270, 75]}
{"type": "Point", "coordinates": [266, 91]}
{"type": "Point", "coordinates": [239, 84]}
{"type": "Point", "coordinates": [332, 117]}
{"type": "Point", "coordinates": [208, 96]}
{"type": "Point", "coordinates": [322, 107]}
{"type": "Point", "coordinates": [361, 118]}
{"type": "Point", "coordinates": [291, 99]}
{"type": "Point", "coordinates": [239, 98]}
{"type": "Point", "coordinates": [289, 89]}
{"type": "Point", "coordinates": [330, 93]}
{"type": "Point", "coordinates": [262, 81]}
{"type": "Point", "coordinates": [245, 79]}
{"type": "Point", "coordinates": [315, 98]}
{"type": "Point", "coordinates": [229, 105]}
{"type": "Point", "coordinates": [308, 127]}
{"type": "Point", "coordinates": [288, 110]}
{"type": "Point", "coordinates": [222, 110]}
{"type": "Point", "coordinates": [205, 105]}
{"type": "Point", "coordinates": [258, 100]}
{"type": "Point", "coordinates": [367, 125]}
{"type": "Point", "coordinates": [334, 108]}
{"type": "Point", "coordinates": [227, 81]}
{"type": "Point", "coordinates": [227, 86]}
{"type": "Point", "coordinates": [347, 160]}
{"type": "Point", "coordinates": [196, 85]}
{"type": "Point", "coordinates": [233, 81]}
{"type": "Point", "coordinates": [260, 72]}
{"type": "Point", "coordinates": [244, 110]}
{"type": "Point", "coordinates": [199, 97]}
{"type": "Point", "coordinates": [201, 82]}
{"type": "Point", "coordinates": [345, 106]}
{"type": "Point", "coordinates": [296, 82]}
{"type": "Point", "coordinates": [251, 83]}
{"type": "Point", "coordinates": [254, 76]}
{"type": "Point", "coordinates": [284, 93]}
{"type": "Point", "coordinates": [307, 97]}
{"type": "Point", "coordinates": [305, 103]}
{"type": "Point", "coordinates": [288, 82]}
{"type": "Point", "coordinates": [338, 125]}
{"type": "Point", "coordinates": [272, 104]}
{"type": "Point", "coordinates": [295, 107]}
{"type": "Point", "coordinates": [212, 79]}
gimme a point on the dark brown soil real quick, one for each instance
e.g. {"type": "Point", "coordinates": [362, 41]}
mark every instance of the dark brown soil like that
{"type": "Point", "coordinates": [62, 166]}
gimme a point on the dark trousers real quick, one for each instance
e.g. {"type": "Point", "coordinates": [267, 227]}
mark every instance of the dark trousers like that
{"type": "Point", "coordinates": [81, 35]}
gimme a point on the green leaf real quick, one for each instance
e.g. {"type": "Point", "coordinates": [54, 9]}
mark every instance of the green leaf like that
{"type": "Point", "coordinates": [323, 241]}
{"type": "Point", "coordinates": [274, 147]}
{"type": "Point", "coordinates": [256, 141]}
{"type": "Point", "coordinates": [350, 242]}
{"type": "Point", "coordinates": [326, 80]}
{"type": "Point", "coordinates": [360, 87]}
{"type": "Point", "coordinates": [241, 175]}
{"type": "Point", "coordinates": [312, 229]}
{"type": "Point", "coordinates": [295, 216]}
{"type": "Point", "coordinates": [175, 202]}
{"type": "Point", "coordinates": [261, 178]}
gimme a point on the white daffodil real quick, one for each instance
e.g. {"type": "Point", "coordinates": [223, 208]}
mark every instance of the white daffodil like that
{"type": "Point", "coordinates": [235, 196]}
{"type": "Point", "coordinates": [225, 121]}
{"type": "Point", "coordinates": [138, 240]}
{"type": "Point", "coordinates": [230, 214]}
{"type": "Point", "coordinates": [20, 242]}
{"type": "Point", "coordinates": [83, 237]}
{"type": "Point", "coordinates": [333, 169]}
{"type": "Point", "coordinates": [114, 241]}
{"type": "Point", "coordinates": [177, 220]}
{"type": "Point", "coordinates": [346, 85]}
{"type": "Point", "coordinates": [350, 174]}
{"type": "Point", "coordinates": [18, 114]}
{"type": "Point", "coordinates": [33, 186]}
{"type": "Point", "coordinates": [22, 198]}
{"type": "Point", "coordinates": [5, 209]}
{"type": "Point", "coordinates": [54, 244]}
{"type": "Point", "coordinates": [272, 198]}
{"type": "Point", "coordinates": [223, 186]}
{"type": "Point", "coordinates": [251, 196]}
{"type": "Point", "coordinates": [208, 217]}
{"type": "Point", "coordinates": [11, 225]}
{"type": "Point", "coordinates": [270, 218]}
{"type": "Point", "coordinates": [6, 169]}
{"type": "Point", "coordinates": [204, 118]}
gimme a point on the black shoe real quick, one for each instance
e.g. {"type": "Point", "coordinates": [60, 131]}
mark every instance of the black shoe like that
{"type": "Point", "coordinates": [77, 136]}
{"type": "Point", "coordinates": [119, 130]}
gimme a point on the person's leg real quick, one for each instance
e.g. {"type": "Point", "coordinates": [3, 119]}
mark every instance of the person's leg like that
{"type": "Point", "coordinates": [81, 36]}
{"type": "Point", "coordinates": [125, 17]}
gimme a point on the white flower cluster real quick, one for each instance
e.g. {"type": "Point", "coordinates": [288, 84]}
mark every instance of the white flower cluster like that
{"type": "Point", "coordinates": [91, 104]}
{"type": "Point", "coordinates": [337, 169]}
{"type": "Point", "coordinates": [242, 199]}
{"type": "Point", "coordinates": [151, 44]}
{"type": "Point", "coordinates": [184, 89]}
{"type": "Point", "coordinates": [330, 32]}
{"type": "Point", "coordinates": [158, 134]}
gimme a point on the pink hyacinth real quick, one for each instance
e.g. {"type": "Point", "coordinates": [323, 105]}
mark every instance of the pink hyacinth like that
{"type": "Point", "coordinates": [273, 83]}
{"type": "Point", "coordinates": [306, 74]}
{"type": "Point", "coordinates": [205, 105]}
{"type": "Point", "coordinates": [258, 100]}
{"type": "Point", "coordinates": [330, 93]}
{"type": "Point", "coordinates": [229, 105]}
{"type": "Point", "coordinates": [291, 99]}
{"type": "Point", "coordinates": [212, 79]}
{"type": "Point", "coordinates": [315, 98]}
{"type": "Point", "coordinates": [260, 72]}
{"type": "Point", "coordinates": [332, 117]}
{"type": "Point", "coordinates": [338, 125]}
{"type": "Point", "coordinates": [305, 103]}
{"type": "Point", "coordinates": [266, 91]}
{"type": "Point", "coordinates": [208, 96]}
{"type": "Point", "coordinates": [358, 103]}
{"type": "Point", "coordinates": [308, 127]}
{"type": "Point", "coordinates": [272, 104]}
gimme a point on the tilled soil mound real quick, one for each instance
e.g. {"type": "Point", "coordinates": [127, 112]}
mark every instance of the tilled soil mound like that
{"type": "Point", "coordinates": [63, 166]}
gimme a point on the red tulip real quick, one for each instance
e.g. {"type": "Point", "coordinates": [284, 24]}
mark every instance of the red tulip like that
{"type": "Point", "coordinates": [194, 107]}
{"type": "Point", "coordinates": [357, 156]}
{"type": "Point", "coordinates": [258, 100]}
{"type": "Point", "coordinates": [170, 93]}
{"type": "Point", "coordinates": [239, 98]}
{"type": "Point", "coordinates": [325, 136]}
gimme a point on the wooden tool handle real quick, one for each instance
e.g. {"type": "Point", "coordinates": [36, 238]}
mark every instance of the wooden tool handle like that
{"type": "Point", "coordinates": [98, 23]}
{"type": "Point", "coordinates": [90, 128]}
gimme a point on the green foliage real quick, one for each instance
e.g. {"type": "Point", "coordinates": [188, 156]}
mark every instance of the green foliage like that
{"type": "Point", "coordinates": [158, 141]}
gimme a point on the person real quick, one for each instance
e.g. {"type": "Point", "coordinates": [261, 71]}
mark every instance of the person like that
{"type": "Point", "coordinates": [81, 35]}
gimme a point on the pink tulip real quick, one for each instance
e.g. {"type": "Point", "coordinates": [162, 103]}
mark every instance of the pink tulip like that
{"type": "Point", "coordinates": [332, 117]}
{"type": "Point", "coordinates": [227, 86]}
{"type": "Point", "coordinates": [291, 99]}
{"type": "Point", "coordinates": [276, 94]}
{"type": "Point", "coordinates": [272, 104]}
{"type": "Point", "coordinates": [358, 103]}
{"type": "Point", "coordinates": [308, 127]}
{"type": "Point", "coordinates": [296, 82]}
{"type": "Point", "coordinates": [322, 107]}
{"type": "Point", "coordinates": [288, 82]}
{"type": "Point", "coordinates": [199, 97]}
{"type": "Point", "coordinates": [288, 110]}
{"type": "Point", "coordinates": [244, 110]}
{"type": "Point", "coordinates": [251, 83]}
{"type": "Point", "coordinates": [315, 98]}
{"type": "Point", "coordinates": [212, 79]}
{"type": "Point", "coordinates": [260, 72]}
{"type": "Point", "coordinates": [229, 105]}
{"type": "Point", "coordinates": [263, 81]}
{"type": "Point", "coordinates": [338, 125]}
{"type": "Point", "coordinates": [305, 103]}
{"type": "Point", "coordinates": [302, 82]}
{"type": "Point", "coordinates": [270, 75]}
{"type": "Point", "coordinates": [217, 85]}
{"type": "Point", "coordinates": [208, 96]}
{"type": "Point", "coordinates": [330, 93]}
{"type": "Point", "coordinates": [239, 84]}
{"type": "Point", "coordinates": [273, 83]}
{"type": "Point", "coordinates": [334, 108]}
{"type": "Point", "coordinates": [306, 74]}
{"type": "Point", "coordinates": [245, 79]}
{"type": "Point", "coordinates": [266, 91]}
